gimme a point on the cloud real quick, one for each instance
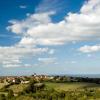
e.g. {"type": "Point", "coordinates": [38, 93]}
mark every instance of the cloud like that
{"type": "Point", "coordinates": [22, 6]}
{"type": "Point", "coordinates": [11, 65]}
{"type": "Point", "coordinates": [52, 51]}
{"type": "Point", "coordinates": [89, 49]}
{"type": "Point", "coordinates": [81, 26]}
{"type": "Point", "coordinates": [89, 55]}
{"type": "Point", "coordinates": [48, 5]}
{"type": "Point", "coordinates": [39, 29]}
{"type": "Point", "coordinates": [47, 60]}
{"type": "Point", "coordinates": [71, 62]}
{"type": "Point", "coordinates": [15, 55]}
{"type": "Point", "coordinates": [33, 20]}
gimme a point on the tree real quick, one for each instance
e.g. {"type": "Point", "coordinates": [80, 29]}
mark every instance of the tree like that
{"type": "Point", "coordinates": [10, 94]}
{"type": "Point", "coordinates": [17, 81]}
{"type": "Point", "coordinates": [30, 87]}
{"type": "Point", "coordinates": [2, 97]}
{"type": "Point", "coordinates": [62, 94]}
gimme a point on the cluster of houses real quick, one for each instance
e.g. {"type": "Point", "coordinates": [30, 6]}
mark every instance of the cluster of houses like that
{"type": "Point", "coordinates": [38, 78]}
{"type": "Point", "coordinates": [24, 79]}
{"type": "Point", "coordinates": [41, 77]}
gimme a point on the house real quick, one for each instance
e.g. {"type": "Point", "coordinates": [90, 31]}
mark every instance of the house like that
{"type": "Point", "coordinates": [25, 82]}
{"type": "Point", "coordinates": [14, 80]}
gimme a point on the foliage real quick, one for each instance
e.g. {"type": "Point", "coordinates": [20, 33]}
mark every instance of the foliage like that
{"type": "Point", "coordinates": [30, 87]}
{"type": "Point", "coordinates": [2, 97]}
{"type": "Point", "coordinates": [54, 91]}
{"type": "Point", "coordinates": [10, 94]}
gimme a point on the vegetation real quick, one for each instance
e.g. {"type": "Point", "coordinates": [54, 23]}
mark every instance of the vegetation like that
{"type": "Point", "coordinates": [71, 86]}
{"type": "Point", "coordinates": [2, 97]}
{"type": "Point", "coordinates": [62, 89]}
{"type": "Point", "coordinates": [10, 94]}
{"type": "Point", "coordinates": [17, 87]}
{"type": "Point", "coordinates": [2, 85]}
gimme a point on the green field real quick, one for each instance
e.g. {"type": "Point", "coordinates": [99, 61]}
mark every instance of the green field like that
{"type": "Point", "coordinates": [71, 86]}
{"type": "Point", "coordinates": [80, 90]}
{"type": "Point", "coordinates": [57, 86]}
{"type": "Point", "coordinates": [72, 90]}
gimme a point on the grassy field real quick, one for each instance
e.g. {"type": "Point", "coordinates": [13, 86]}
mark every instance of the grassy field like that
{"type": "Point", "coordinates": [2, 85]}
{"type": "Point", "coordinates": [57, 86]}
{"type": "Point", "coordinates": [17, 87]}
{"type": "Point", "coordinates": [25, 98]}
{"type": "Point", "coordinates": [71, 86]}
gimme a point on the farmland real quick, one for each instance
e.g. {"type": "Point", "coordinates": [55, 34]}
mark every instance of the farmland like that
{"type": "Point", "coordinates": [58, 86]}
{"type": "Point", "coordinates": [72, 86]}
{"type": "Point", "coordinates": [42, 87]}
{"type": "Point", "coordinates": [75, 89]}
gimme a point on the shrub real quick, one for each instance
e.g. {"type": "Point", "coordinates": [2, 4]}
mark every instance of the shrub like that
{"type": "Point", "coordinates": [30, 88]}
{"type": "Point", "coordinates": [2, 97]}
{"type": "Point", "coordinates": [10, 94]}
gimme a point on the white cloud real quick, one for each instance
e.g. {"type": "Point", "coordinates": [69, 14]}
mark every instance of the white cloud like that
{"type": "Point", "coordinates": [16, 54]}
{"type": "Point", "coordinates": [33, 20]}
{"type": "Point", "coordinates": [27, 65]}
{"type": "Point", "coordinates": [26, 47]}
{"type": "Point", "coordinates": [39, 29]}
{"type": "Point", "coordinates": [89, 55]}
{"type": "Point", "coordinates": [11, 65]}
{"type": "Point", "coordinates": [27, 41]}
{"type": "Point", "coordinates": [52, 51]}
{"type": "Point", "coordinates": [47, 60]}
{"type": "Point", "coordinates": [48, 5]}
{"type": "Point", "coordinates": [22, 6]}
{"type": "Point", "coordinates": [74, 27]}
{"type": "Point", "coordinates": [89, 49]}
{"type": "Point", "coordinates": [71, 62]}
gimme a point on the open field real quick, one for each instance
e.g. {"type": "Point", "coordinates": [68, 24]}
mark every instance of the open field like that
{"type": "Point", "coordinates": [71, 86]}
{"type": "Point", "coordinates": [57, 86]}
{"type": "Point", "coordinates": [72, 90]}
{"type": "Point", "coordinates": [2, 85]}
{"type": "Point", "coordinates": [17, 87]}
{"type": "Point", "coordinates": [24, 98]}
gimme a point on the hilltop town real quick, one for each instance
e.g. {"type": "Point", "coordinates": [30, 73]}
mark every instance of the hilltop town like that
{"type": "Point", "coordinates": [41, 78]}
{"type": "Point", "coordinates": [48, 87]}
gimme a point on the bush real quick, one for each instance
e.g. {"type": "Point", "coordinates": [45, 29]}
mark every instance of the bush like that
{"type": "Point", "coordinates": [30, 88]}
{"type": "Point", "coordinates": [62, 94]}
{"type": "Point", "coordinates": [2, 97]}
{"type": "Point", "coordinates": [10, 94]}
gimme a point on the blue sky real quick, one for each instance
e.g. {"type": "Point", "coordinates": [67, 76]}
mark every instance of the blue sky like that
{"type": "Point", "coordinates": [49, 37]}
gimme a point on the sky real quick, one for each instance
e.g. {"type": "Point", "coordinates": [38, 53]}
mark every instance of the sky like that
{"type": "Point", "coordinates": [49, 37]}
